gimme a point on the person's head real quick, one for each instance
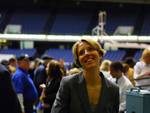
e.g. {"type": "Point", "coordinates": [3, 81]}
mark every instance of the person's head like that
{"type": "Point", "coordinates": [73, 71]}
{"type": "Point", "coordinates": [116, 69]}
{"type": "Point", "coordinates": [130, 61]}
{"type": "Point", "coordinates": [125, 68]}
{"type": "Point", "coordinates": [146, 56]}
{"type": "Point", "coordinates": [105, 66]}
{"type": "Point", "coordinates": [13, 62]}
{"type": "Point", "coordinates": [87, 53]}
{"type": "Point", "coordinates": [37, 62]}
{"type": "Point", "coordinates": [5, 63]}
{"type": "Point", "coordinates": [46, 59]}
{"type": "Point", "coordinates": [24, 62]}
{"type": "Point", "coordinates": [53, 69]}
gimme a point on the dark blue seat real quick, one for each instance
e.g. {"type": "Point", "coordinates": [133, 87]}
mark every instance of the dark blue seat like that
{"type": "Point", "coordinates": [57, 54]}
{"type": "Point", "coordinates": [71, 22]}
{"type": "Point", "coordinates": [115, 55]}
{"type": "Point", "coordinates": [2, 15]}
{"type": "Point", "coordinates": [18, 52]}
{"type": "Point", "coordinates": [32, 22]}
{"type": "Point", "coordinates": [145, 30]}
{"type": "Point", "coordinates": [138, 55]}
{"type": "Point", "coordinates": [120, 17]}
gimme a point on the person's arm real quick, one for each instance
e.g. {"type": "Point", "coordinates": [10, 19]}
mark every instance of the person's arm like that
{"type": "Point", "coordinates": [122, 106]}
{"type": "Point", "coordinates": [61, 103]}
{"type": "Point", "coordinates": [137, 71]}
{"type": "Point", "coordinates": [20, 97]}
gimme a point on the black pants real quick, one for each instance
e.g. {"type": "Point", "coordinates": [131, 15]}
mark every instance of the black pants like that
{"type": "Point", "coordinates": [28, 108]}
{"type": "Point", "coordinates": [47, 110]}
{"type": "Point", "coordinates": [121, 111]}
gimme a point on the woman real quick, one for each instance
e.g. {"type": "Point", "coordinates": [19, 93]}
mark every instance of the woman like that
{"type": "Point", "coordinates": [48, 95]}
{"type": "Point", "coordinates": [142, 70]}
{"type": "Point", "coordinates": [89, 91]}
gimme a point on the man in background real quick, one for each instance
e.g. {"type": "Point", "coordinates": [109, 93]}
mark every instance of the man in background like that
{"type": "Point", "coordinates": [9, 101]}
{"type": "Point", "coordinates": [124, 84]}
{"type": "Point", "coordinates": [24, 85]}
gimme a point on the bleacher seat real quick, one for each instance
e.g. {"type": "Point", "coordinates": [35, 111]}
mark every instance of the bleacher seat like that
{"type": "Point", "coordinates": [2, 13]}
{"type": "Point", "coordinates": [3, 19]}
{"type": "Point", "coordinates": [71, 22]}
{"type": "Point", "coordinates": [138, 55]}
{"type": "Point", "coordinates": [18, 52]}
{"type": "Point", "coordinates": [115, 55]}
{"type": "Point", "coordinates": [57, 54]}
{"type": "Point", "coordinates": [120, 17]}
{"type": "Point", "coordinates": [32, 22]}
{"type": "Point", "coordinates": [145, 30]}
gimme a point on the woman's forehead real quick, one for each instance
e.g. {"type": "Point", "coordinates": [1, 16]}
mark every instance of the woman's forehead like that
{"type": "Point", "coordinates": [83, 43]}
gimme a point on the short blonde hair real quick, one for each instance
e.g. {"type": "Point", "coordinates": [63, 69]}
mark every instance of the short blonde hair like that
{"type": "Point", "coordinates": [73, 71]}
{"type": "Point", "coordinates": [145, 53]}
{"type": "Point", "coordinates": [92, 42]}
{"type": "Point", "coordinates": [105, 65]}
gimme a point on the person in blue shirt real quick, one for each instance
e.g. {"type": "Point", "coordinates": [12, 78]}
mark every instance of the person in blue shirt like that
{"type": "Point", "coordinates": [24, 86]}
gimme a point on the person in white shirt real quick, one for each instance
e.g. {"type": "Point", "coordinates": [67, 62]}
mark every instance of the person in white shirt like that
{"type": "Point", "coordinates": [116, 71]}
{"type": "Point", "coordinates": [142, 70]}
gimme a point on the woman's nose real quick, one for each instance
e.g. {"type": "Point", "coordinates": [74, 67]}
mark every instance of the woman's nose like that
{"type": "Point", "coordinates": [86, 51]}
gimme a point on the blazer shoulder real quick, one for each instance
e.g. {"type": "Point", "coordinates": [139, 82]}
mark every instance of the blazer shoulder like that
{"type": "Point", "coordinates": [71, 78]}
{"type": "Point", "coordinates": [110, 84]}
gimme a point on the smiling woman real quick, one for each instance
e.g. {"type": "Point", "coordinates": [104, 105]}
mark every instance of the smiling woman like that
{"type": "Point", "coordinates": [88, 56]}
{"type": "Point", "coordinates": [88, 91]}
{"type": "Point", "coordinates": [93, 45]}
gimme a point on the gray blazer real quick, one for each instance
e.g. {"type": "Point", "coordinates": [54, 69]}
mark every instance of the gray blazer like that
{"type": "Point", "coordinates": [72, 96]}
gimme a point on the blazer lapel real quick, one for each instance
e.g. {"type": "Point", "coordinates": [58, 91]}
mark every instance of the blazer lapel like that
{"type": "Point", "coordinates": [82, 93]}
{"type": "Point", "coordinates": [104, 96]}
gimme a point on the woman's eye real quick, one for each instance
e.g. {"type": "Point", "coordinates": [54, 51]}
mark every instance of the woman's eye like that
{"type": "Point", "coordinates": [81, 52]}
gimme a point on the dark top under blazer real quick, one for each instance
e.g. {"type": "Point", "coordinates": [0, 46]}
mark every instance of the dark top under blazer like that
{"type": "Point", "coordinates": [72, 96]}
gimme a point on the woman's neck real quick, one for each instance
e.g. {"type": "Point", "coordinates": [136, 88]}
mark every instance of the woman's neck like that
{"type": "Point", "coordinates": [92, 76]}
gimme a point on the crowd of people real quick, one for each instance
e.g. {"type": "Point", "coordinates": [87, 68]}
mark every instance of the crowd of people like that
{"type": "Point", "coordinates": [92, 85]}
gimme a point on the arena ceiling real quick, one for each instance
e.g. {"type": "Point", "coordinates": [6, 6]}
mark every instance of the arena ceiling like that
{"type": "Point", "coordinates": [53, 2]}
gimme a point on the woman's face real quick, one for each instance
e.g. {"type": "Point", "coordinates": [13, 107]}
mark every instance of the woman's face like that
{"type": "Point", "coordinates": [113, 72]}
{"type": "Point", "coordinates": [88, 56]}
{"type": "Point", "coordinates": [147, 59]}
{"type": "Point", "coordinates": [25, 64]}
{"type": "Point", "coordinates": [47, 68]}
